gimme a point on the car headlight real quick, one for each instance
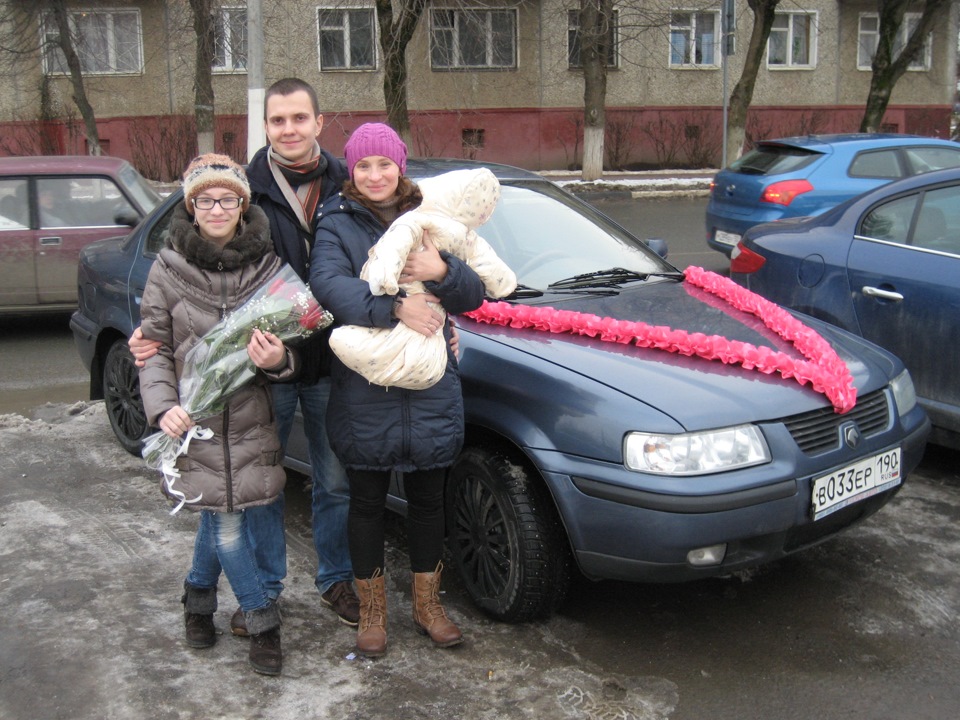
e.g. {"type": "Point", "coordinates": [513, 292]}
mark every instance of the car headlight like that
{"type": "Point", "coordinates": [904, 394]}
{"type": "Point", "coordinates": [696, 453]}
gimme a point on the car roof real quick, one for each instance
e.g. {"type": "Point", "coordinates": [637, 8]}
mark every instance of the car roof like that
{"type": "Point", "coordinates": [425, 167]}
{"type": "Point", "coordinates": [59, 164]}
{"type": "Point", "coordinates": [855, 140]}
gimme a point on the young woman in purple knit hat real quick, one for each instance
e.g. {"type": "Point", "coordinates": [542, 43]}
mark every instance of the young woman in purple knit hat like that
{"type": "Point", "coordinates": [376, 431]}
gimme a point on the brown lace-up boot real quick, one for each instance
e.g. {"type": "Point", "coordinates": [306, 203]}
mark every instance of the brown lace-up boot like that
{"type": "Point", "coordinates": [428, 614]}
{"type": "Point", "coordinates": [372, 628]}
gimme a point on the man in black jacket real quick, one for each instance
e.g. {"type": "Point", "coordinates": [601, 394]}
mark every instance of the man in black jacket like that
{"type": "Point", "coordinates": [290, 178]}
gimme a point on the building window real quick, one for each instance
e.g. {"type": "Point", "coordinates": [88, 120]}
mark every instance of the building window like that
{"type": "Point", "coordinates": [869, 36]}
{"type": "Point", "coordinates": [106, 41]}
{"type": "Point", "coordinates": [230, 39]}
{"type": "Point", "coordinates": [347, 39]}
{"type": "Point", "coordinates": [694, 39]}
{"type": "Point", "coordinates": [573, 40]}
{"type": "Point", "coordinates": [793, 41]}
{"type": "Point", "coordinates": [473, 39]}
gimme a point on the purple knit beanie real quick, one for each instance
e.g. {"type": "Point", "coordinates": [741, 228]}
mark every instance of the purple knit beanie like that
{"type": "Point", "coordinates": [375, 139]}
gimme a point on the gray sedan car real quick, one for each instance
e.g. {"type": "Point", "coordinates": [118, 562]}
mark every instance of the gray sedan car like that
{"type": "Point", "coordinates": [600, 438]}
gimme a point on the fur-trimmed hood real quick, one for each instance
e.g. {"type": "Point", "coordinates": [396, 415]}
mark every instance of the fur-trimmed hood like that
{"type": "Point", "coordinates": [251, 242]}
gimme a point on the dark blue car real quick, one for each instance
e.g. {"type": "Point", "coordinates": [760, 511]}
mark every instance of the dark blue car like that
{"type": "Point", "coordinates": [885, 266]}
{"type": "Point", "coordinates": [620, 461]}
{"type": "Point", "coordinates": [804, 176]}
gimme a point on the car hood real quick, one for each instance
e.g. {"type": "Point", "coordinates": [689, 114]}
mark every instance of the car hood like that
{"type": "Point", "coordinates": [696, 393]}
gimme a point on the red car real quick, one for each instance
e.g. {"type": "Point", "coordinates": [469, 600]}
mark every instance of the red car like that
{"type": "Point", "coordinates": [52, 207]}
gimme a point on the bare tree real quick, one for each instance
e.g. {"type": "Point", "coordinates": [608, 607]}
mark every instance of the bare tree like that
{"type": "Point", "coordinates": [608, 32]}
{"type": "Point", "coordinates": [742, 95]}
{"type": "Point", "coordinates": [596, 17]}
{"type": "Point", "coordinates": [60, 16]}
{"type": "Point", "coordinates": [18, 47]}
{"type": "Point", "coordinates": [889, 65]}
{"type": "Point", "coordinates": [397, 26]}
{"type": "Point", "coordinates": [204, 24]}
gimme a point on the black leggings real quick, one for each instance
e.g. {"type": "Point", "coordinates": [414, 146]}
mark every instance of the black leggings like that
{"type": "Point", "coordinates": [425, 522]}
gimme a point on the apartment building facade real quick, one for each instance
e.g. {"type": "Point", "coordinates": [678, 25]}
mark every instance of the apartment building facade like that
{"type": "Point", "coordinates": [494, 80]}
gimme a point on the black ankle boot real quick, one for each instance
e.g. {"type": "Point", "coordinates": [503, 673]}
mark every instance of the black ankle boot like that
{"type": "Point", "coordinates": [199, 604]}
{"type": "Point", "coordinates": [200, 630]}
{"type": "Point", "coordinates": [265, 654]}
{"type": "Point", "coordinates": [264, 628]}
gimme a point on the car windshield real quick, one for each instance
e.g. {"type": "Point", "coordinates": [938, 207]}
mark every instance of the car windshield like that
{"type": "Point", "coordinates": [544, 236]}
{"type": "Point", "coordinates": [773, 160]}
{"type": "Point", "coordinates": [145, 195]}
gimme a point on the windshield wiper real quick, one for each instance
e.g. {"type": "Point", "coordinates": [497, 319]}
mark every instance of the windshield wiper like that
{"type": "Point", "coordinates": [524, 291]}
{"type": "Point", "coordinates": [614, 278]}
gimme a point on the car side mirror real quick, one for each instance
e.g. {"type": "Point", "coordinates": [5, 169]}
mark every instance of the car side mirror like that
{"type": "Point", "coordinates": [658, 245]}
{"type": "Point", "coordinates": [126, 216]}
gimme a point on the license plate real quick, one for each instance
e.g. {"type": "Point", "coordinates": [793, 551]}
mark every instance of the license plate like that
{"type": "Point", "coordinates": [855, 482]}
{"type": "Point", "coordinates": [721, 236]}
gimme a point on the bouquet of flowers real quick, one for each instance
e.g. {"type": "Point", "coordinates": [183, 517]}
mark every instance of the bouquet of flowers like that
{"type": "Point", "coordinates": [219, 365]}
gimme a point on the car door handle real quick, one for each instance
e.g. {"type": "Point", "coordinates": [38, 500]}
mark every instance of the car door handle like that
{"type": "Point", "coordinates": [51, 241]}
{"type": "Point", "coordinates": [882, 294]}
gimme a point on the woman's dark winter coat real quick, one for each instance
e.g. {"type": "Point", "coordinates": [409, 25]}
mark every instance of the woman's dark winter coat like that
{"type": "Point", "coordinates": [191, 286]}
{"type": "Point", "coordinates": [373, 427]}
{"type": "Point", "coordinates": [293, 244]}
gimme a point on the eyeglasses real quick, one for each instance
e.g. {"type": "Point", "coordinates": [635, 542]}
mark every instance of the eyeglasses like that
{"type": "Point", "coordinates": [207, 203]}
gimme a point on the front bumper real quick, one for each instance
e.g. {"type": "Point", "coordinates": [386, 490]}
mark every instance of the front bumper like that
{"type": "Point", "coordinates": [637, 535]}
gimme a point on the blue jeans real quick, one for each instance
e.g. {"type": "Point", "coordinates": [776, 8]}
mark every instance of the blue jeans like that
{"type": "Point", "coordinates": [330, 497]}
{"type": "Point", "coordinates": [221, 543]}
{"type": "Point", "coordinates": [269, 544]}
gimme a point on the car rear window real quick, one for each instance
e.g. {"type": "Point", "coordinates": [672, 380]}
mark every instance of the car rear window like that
{"type": "Point", "coordinates": [145, 195]}
{"type": "Point", "coordinates": [774, 160]}
{"type": "Point", "coordinates": [877, 164]}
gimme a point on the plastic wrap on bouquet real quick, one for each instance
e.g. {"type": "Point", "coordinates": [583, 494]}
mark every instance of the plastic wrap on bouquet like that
{"type": "Point", "coordinates": [218, 365]}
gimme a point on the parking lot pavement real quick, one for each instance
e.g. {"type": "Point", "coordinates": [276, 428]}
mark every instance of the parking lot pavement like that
{"type": "Point", "coordinates": [91, 567]}
{"type": "Point", "coordinates": [92, 575]}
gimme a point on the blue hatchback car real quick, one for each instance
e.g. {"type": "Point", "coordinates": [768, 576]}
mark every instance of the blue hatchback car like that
{"type": "Point", "coordinates": [885, 266]}
{"type": "Point", "coordinates": [800, 176]}
{"type": "Point", "coordinates": [591, 453]}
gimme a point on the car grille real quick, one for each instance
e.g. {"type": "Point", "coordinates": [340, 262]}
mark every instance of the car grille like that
{"type": "Point", "coordinates": [816, 431]}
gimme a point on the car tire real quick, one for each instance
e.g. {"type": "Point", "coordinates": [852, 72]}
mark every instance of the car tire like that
{"type": "Point", "coordinates": [121, 395]}
{"type": "Point", "coordinates": [505, 538]}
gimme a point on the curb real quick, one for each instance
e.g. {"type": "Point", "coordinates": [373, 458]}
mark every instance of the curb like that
{"type": "Point", "coordinates": [649, 185]}
{"type": "Point", "coordinates": [651, 194]}
{"type": "Point", "coordinates": [633, 192]}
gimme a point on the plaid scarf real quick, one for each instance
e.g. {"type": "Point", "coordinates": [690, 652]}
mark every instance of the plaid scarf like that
{"type": "Point", "coordinates": [300, 183]}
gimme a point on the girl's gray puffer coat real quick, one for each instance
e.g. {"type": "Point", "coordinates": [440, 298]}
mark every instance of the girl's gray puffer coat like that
{"type": "Point", "coordinates": [372, 427]}
{"type": "Point", "coordinates": [192, 285]}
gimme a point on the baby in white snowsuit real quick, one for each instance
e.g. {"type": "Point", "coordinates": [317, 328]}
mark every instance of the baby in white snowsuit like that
{"type": "Point", "coordinates": [454, 205]}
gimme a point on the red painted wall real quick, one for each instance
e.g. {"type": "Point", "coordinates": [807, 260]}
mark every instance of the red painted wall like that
{"type": "Point", "coordinates": [642, 137]}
